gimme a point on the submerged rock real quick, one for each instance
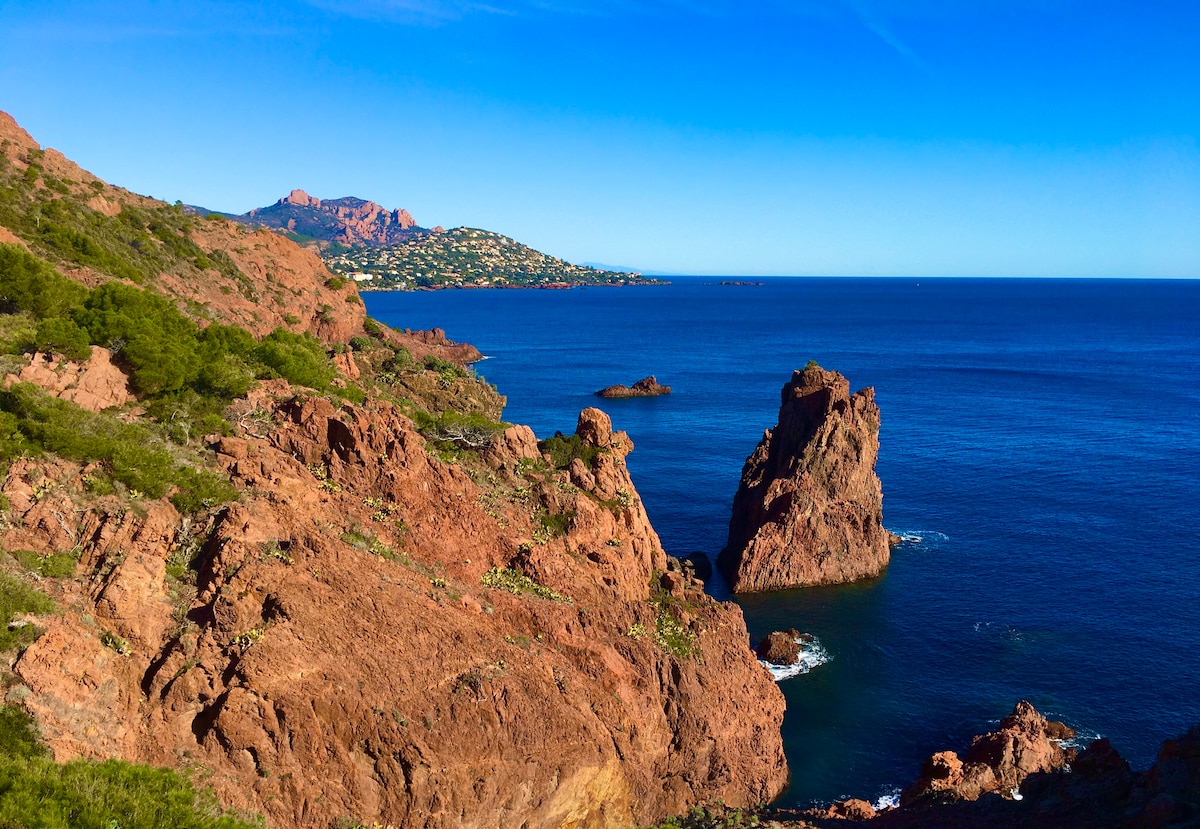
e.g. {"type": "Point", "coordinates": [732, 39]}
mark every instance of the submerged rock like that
{"type": "Point", "coordinates": [809, 509]}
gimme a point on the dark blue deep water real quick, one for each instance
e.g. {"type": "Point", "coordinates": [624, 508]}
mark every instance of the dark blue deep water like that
{"type": "Point", "coordinates": [1042, 437]}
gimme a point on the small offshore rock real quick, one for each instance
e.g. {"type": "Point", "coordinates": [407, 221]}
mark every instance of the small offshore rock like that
{"type": "Point", "coordinates": [646, 387]}
{"type": "Point", "coordinates": [779, 648]}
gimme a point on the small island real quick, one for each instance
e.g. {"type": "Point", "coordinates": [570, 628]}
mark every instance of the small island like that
{"type": "Point", "coordinates": [646, 387]}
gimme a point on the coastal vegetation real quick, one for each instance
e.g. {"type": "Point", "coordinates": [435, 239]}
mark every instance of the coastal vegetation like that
{"type": "Point", "coordinates": [38, 793]}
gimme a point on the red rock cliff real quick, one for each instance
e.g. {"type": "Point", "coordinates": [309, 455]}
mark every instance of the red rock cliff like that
{"type": "Point", "coordinates": [809, 508]}
{"type": "Point", "coordinates": [379, 626]}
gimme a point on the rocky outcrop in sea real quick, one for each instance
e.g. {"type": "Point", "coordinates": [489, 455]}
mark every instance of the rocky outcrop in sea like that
{"type": "Point", "coordinates": [646, 387]}
{"type": "Point", "coordinates": [809, 508]}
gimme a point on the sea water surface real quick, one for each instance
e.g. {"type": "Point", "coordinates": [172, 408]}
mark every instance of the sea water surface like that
{"type": "Point", "coordinates": [1040, 448]}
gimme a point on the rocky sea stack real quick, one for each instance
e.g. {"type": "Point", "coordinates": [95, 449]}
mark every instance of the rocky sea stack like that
{"type": "Point", "coordinates": [809, 508]}
{"type": "Point", "coordinates": [646, 387]}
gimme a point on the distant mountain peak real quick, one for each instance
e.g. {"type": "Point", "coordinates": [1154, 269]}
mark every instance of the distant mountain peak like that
{"type": "Point", "coordinates": [300, 199]}
{"type": "Point", "coordinates": [348, 220]}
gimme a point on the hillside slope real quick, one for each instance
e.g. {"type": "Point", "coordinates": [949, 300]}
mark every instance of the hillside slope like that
{"type": "Point", "coordinates": [466, 258]}
{"type": "Point", "coordinates": [298, 552]}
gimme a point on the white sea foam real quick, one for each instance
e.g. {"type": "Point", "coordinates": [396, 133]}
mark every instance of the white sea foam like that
{"type": "Point", "coordinates": [812, 654]}
{"type": "Point", "coordinates": [927, 538]}
{"type": "Point", "coordinates": [1082, 739]}
{"type": "Point", "coordinates": [890, 800]}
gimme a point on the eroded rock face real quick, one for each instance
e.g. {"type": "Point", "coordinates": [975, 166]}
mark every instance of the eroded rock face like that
{"type": "Point", "coordinates": [94, 385]}
{"type": "Point", "coordinates": [349, 220]}
{"type": "Point", "coordinates": [809, 509]}
{"type": "Point", "coordinates": [342, 656]}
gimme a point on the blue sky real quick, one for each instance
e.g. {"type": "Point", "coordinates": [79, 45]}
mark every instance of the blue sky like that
{"type": "Point", "coordinates": [876, 137]}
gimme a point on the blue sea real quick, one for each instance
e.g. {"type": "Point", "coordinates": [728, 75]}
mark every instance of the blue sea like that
{"type": "Point", "coordinates": [1040, 450]}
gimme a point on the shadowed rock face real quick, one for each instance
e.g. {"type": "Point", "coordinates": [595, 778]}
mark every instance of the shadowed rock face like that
{"type": "Point", "coordinates": [809, 509]}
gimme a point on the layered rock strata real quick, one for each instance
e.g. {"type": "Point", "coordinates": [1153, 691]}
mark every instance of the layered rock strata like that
{"type": "Point", "coordinates": [809, 508]}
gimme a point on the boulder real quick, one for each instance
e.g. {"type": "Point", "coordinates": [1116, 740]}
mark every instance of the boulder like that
{"type": "Point", "coordinates": [779, 648]}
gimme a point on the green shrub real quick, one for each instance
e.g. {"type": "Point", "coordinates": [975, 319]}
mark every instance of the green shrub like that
{"type": "Point", "coordinates": [29, 284]}
{"type": "Point", "coordinates": [354, 394]}
{"type": "Point", "coordinates": [18, 597]}
{"type": "Point", "coordinates": [159, 343]}
{"type": "Point", "coordinates": [563, 449]}
{"type": "Point", "coordinates": [558, 523]}
{"type": "Point", "coordinates": [469, 431]}
{"type": "Point", "coordinates": [360, 343]}
{"type": "Point", "coordinates": [336, 282]}
{"type": "Point", "coordinates": [298, 358]}
{"type": "Point", "coordinates": [401, 361]}
{"type": "Point", "coordinates": [225, 377]}
{"type": "Point", "coordinates": [62, 335]}
{"type": "Point", "coordinates": [135, 455]}
{"type": "Point", "coordinates": [37, 793]}
{"type": "Point", "coordinates": [19, 735]}
{"type": "Point", "coordinates": [52, 566]}
{"type": "Point", "coordinates": [517, 583]}
{"type": "Point", "coordinates": [713, 815]}
{"type": "Point", "coordinates": [17, 332]}
{"type": "Point", "coordinates": [444, 367]}
{"type": "Point", "coordinates": [200, 489]}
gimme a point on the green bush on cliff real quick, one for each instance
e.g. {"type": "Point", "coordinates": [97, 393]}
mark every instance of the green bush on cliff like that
{"type": "Point", "coordinates": [37, 793]}
{"type": "Point", "coordinates": [31, 421]}
{"type": "Point", "coordinates": [563, 449]}
{"type": "Point", "coordinates": [714, 815]}
{"type": "Point", "coordinates": [30, 284]}
{"type": "Point", "coordinates": [62, 335]}
{"type": "Point", "coordinates": [165, 351]}
{"type": "Point", "coordinates": [298, 358]}
{"type": "Point", "coordinates": [159, 343]}
{"type": "Point", "coordinates": [18, 597]}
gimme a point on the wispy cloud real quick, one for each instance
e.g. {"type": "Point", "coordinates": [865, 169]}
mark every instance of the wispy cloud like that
{"type": "Point", "coordinates": [876, 25]}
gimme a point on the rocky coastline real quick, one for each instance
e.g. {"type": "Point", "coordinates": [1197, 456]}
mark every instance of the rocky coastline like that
{"type": "Point", "coordinates": [365, 599]}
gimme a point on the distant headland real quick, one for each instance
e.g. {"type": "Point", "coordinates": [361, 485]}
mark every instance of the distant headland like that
{"type": "Point", "coordinates": [386, 250]}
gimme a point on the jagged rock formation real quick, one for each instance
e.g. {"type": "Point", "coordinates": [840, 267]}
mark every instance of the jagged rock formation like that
{"type": "Point", "coordinates": [780, 647]}
{"type": "Point", "coordinates": [1022, 778]}
{"type": "Point", "coordinates": [646, 387]}
{"type": "Point", "coordinates": [809, 508]}
{"type": "Point", "coordinates": [94, 385]}
{"type": "Point", "coordinates": [1025, 743]}
{"type": "Point", "coordinates": [347, 221]}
